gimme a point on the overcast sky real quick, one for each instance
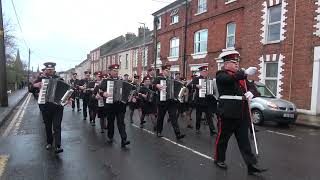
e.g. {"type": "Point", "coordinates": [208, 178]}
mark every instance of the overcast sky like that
{"type": "Point", "coordinates": [64, 31]}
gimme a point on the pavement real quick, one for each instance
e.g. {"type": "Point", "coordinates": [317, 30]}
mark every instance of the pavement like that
{"type": "Point", "coordinates": [308, 121]}
{"type": "Point", "coordinates": [13, 100]}
{"type": "Point", "coordinates": [289, 152]}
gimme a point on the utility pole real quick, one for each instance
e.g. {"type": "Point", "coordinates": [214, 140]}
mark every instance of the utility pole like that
{"type": "Point", "coordinates": [184, 63]}
{"type": "Point", "coordinates": [3, 65]}
{"type": "Point", "coordinates": [155, 49]}
{"type": "Point", "coordinates": [29, 68]}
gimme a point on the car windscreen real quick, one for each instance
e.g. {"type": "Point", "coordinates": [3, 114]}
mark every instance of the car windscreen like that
{"type": "Point", "coordinates": [264, 91]}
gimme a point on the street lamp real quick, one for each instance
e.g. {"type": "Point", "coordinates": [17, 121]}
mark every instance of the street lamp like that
{"type": "Point", "coordinates": [144, 51]}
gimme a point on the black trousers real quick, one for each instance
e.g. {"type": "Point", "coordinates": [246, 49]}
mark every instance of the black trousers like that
{"type": "Point", "coordinates": [111, 116]}
{"type": "Point", "coordinates": [171, 108]}
{"type": "Point", "coordinates": [52, 116]}
{"type": "Point", "coordinates": [93, 111]}
{"type": "Point", "coordinates": [239, 128]}
{"type": "Point", "coordinates": [76, 100]}
{"type": "Point", "coordinates": [85, 102]}
{"type": "Point", "coordinates": [204, 109]}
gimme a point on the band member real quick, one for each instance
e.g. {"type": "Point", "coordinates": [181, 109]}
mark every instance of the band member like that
{"type": "Point", "coordinates": [116, 110]}
{"type": "Point", "coordinates": [151, 73]}
{"type": "Point", "coordinates": [34, 90]}
{"type": "Point", "coordinates": [233, 111]}
{"type": "Point", "coordinates": [93, 102]}
{"type": "Point", "coordinates": [191, 104]}
{"type": "Point", "coordinates": [74, 82]}
{"type": "Point", "coordinates": [135, 104]}
{"type": "Point", "coordinates": [84, 94]}
{"type": "Point", "coordinates": [169, 106]}
{"type": "Point", "coordinates": [177, 76]}
{"type": "Point", "coordinates": [201, 103]}
{"type": "Point", "coordinates": [100, 100]}
{"type": "Point", "coordinates": [148, 104]}
{"type": "Point", "coordinates": [184, 105]}
{"type": "Point", "coordinates": [52, 113]}
{"type": "Point", "coordinates": [126, 77]}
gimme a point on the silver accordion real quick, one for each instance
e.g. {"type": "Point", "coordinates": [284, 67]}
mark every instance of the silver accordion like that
{"type": "Point", "coordinates": [54, 91]}
{"type": "Point", "coordinates": [119, 91]}
{"type": "Point", "coordinates": [172, 90]}
{"type": "Point", "coordinates": [207, 87]}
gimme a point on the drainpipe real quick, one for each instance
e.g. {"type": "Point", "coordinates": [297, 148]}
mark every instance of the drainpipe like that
{"type": "Point", "coordinates": [184, 63]}
{"type": "Point", "coordinates": [292, 49]}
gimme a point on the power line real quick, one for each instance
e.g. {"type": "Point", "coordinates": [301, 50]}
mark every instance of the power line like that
{"type": "Point", "coordinates": [160, 1]}
{"type": "Point", "coordinates": [17, 17]}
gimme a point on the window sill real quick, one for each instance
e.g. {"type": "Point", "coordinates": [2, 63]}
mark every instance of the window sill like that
{"type": "Point", "coordinates": [199, 13]}
{"type": "Point", "coordinates": [230, 1]}
{"type": "Point", "coordinates": [272, 42]}
{"type": "Point", "coordinates": [199, 55]}
{"type": "Point", "coordinates": [173, 58]}
{"type": "Point", "coordinates": [174, 23]}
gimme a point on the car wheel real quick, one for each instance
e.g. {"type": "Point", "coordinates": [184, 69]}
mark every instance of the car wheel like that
{"type": "Point", "coordinates": [257, 117]}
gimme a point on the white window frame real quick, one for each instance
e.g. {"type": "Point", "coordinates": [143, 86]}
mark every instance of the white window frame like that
{"type": "Point", "coordinates": [145, 56]}
{"type": "Point", "coordinates": [229, 1]}
{"type": "Point", "coordinates": [271, 78]}
{"type": "Point", "coordinates": [175, 48]}
{"type": "Point", "coordinates": [158, 50]}
{"type": "Point", "coordinates": [174, 16]}
{"type": "Point", "coordinates": [273, 23]}
{"type": "Point", "coordinates": [159, 23]}
{"type": "Point", "coordinates": [127, 62]}
{"type": "Point", "coordinates": [231, 35]}
{"type": "Point", "coordinates": [202, 6]}
{"type": "Point", "coordinates": [197, 41]}
{"type": "Point", "coordinates": [113, 60]}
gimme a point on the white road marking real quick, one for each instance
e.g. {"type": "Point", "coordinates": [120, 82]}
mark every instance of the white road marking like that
{"type": "Point", "coordinates": [3, 162]}
{"type": "Point", "coordinates": [283, 134]}
{"type": "Point", "coordinates": [16, 116]}
{"type": "Point", "coordinates": [175, 143]}
{"type": "Point", "coordinates": [17, 126]}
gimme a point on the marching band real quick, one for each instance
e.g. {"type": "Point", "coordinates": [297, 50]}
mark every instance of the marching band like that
{"type": "Point", "coordinates": [225, 98]}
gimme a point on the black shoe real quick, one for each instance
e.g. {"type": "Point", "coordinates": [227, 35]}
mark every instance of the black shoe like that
{"type": "Point", "coordinates": [154, 128]}
{"type": "Point", "coordinates": [255, 170]}
{"type": "Point", "coordinates": [180, 136]}
{"type": "Point", "coordinates": [72, 109]}
{"type": "Point", "coordinates": [85, 118]}
{"type": "Point", "coordinates": [93, 123]}
{"type": "Point", "coordinates": [58, 150]}
{"type": "Point", "coordinates": [48, 146]}
{"type": "Point", "coordinates": [220, 164]}
{"type": "Point", "coordinates": [159, 134]}
{"type": "Point", "coordinates": [79, 110]}
{"type": "Point", "coordinates": [102, 131]}
{"type": "Point", "coordinates": [124, 143]}
{"type": "Point", "coordinates": [190, 126]}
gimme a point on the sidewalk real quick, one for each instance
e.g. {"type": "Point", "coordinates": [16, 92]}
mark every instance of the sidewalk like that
{"type": "Point", "coordinates": [13, 100]}
{"type": "Point", "coordinates": [308, 121]}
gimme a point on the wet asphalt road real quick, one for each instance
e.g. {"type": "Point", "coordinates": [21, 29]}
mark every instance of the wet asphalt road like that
{"type": "Point", "coordinates": [289, 152]}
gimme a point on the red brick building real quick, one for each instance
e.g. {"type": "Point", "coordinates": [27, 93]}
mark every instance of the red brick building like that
{"type": "Point", "coordinates": [280, 37]}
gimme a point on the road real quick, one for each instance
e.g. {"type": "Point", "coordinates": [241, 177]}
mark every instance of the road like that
{"type": "Point", "coordinates": [289, 152]}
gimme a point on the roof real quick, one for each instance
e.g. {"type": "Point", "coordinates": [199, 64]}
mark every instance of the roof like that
{"type": "Point", "coordinates": [111, 45]}
{"type": "Point", "coordinates": [168, 7]}
{"type": "Point", "coordinates": [136, 42]}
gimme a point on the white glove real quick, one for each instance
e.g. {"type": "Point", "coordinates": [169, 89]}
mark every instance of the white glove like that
{"type": "Point", "coordinates": [248, 95]}
{"type": "Point", "coordinates": [250, 71]}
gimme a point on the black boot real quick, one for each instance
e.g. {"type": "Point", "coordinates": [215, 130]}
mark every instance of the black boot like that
{"type": "Point", "coordinates": [180, 136]}
{"type": "Point", "coordinates": [58, 150]}
{"type": "Point", "coordinates": [124, 143]}
{"type": "Point", "coordinates": [221, 164]}
{"type": "Point", "coordinates": [255, 170]}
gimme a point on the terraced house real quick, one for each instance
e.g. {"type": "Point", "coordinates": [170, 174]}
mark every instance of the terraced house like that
{"type": "Point", "coordinates": [280, 37]}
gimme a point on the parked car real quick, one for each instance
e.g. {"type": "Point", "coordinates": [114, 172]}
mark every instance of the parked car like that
{"type": "Point", "coordinates": [266, 107]}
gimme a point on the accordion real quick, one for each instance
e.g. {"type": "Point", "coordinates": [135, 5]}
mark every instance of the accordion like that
{"type": "Point", "coordinates": [54, 91]}
{"type": "Point", "coordinates": [172, 90]}
{"type": "Point", "coordinates": [119, 91]}
{"type": "Point", "coordinates": [207, 87]}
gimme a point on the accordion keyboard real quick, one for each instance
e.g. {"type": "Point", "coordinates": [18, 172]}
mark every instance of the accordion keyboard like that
{"type": "Point", "coordinates": [163, 93]}
{"type": "Point", "coordinates": [43, 91]}
{"type": "Point", "coordinates": [110, 86]}
{"type": "Point", "coordinates": [203, 90]}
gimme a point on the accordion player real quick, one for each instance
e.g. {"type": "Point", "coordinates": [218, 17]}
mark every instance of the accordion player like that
{"type": "Point", "coordinates": [118, 90]}
{"type": "Point", "coordinates": [172, 90]}
{"type": "Point", "coordinates": [54, 91]}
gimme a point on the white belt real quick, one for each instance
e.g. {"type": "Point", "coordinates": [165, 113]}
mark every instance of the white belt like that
{"type": "Point", "coordinates": [232, 97]}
